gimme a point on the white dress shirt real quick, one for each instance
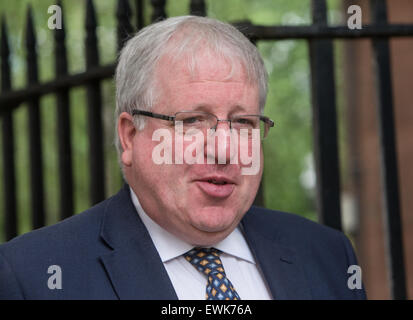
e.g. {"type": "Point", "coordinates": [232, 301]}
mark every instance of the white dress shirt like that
{"type": "Point", "coordinates": [190, 284]}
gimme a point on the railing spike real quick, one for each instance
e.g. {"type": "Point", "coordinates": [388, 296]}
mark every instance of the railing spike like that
{"type": "Point", "coordinates": [32, 67]}
{"type": "Point", "coordinates": [92, 54]}
{"type": "Point", "coordinates": [124, 28]}
{"type": "Point", "coordinates": [123, 9]}
{"type": "Point", "coordinates": [198, 8]}
{"type": "Point", "coordinates": [4, 49]}
{"type": "Point", "coordinates": [158, 10]}
{"type": "Point", "coordinates": [30, 34]}
{"type": "Point", "coordinates": [60, 47]}
{"type": "Point", "coordinates": [91, 21]}
{"type": "Point", "coordinates": [140, 17]}
{"type": "Point", "coordinates": [60, 34]}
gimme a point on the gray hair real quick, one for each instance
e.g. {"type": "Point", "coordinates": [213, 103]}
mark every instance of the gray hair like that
{"type": "Point", "coordinates": [135, 73]}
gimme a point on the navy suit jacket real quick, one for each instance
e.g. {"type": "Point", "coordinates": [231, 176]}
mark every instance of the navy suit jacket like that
{"type": "Point", "coordinates": [107, 253]}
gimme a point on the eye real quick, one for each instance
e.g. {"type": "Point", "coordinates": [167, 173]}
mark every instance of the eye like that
{"type": "Point", "coordinates": [193, 119]}
{"type": "Point", "coordinates": [244, 122]}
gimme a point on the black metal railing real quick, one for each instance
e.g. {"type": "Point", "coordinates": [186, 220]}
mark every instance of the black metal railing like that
{"type": "Point", "coordinates": [319, 36]}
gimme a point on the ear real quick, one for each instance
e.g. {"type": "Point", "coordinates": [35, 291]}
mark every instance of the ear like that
{"type": "Point", "coordinates": [126, 133]}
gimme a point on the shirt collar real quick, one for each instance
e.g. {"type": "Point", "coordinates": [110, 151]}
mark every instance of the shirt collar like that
{"type": "Point", "coordinates": [169, 246]}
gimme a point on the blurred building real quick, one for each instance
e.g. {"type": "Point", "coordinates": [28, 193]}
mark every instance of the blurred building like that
{"type": "Point", "coordinates": [363, 147]}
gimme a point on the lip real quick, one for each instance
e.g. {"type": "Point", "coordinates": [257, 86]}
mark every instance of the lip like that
{"type": "Point", "coordinates": [216, 190]}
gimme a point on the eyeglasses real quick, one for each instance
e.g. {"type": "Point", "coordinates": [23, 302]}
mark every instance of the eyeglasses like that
{"type": "Point", "coordinates": [204, 120]}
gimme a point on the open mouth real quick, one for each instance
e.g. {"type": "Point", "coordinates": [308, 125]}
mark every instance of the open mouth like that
{"type": "Point", "coordinates": [216, 187]}
{"type": "Point", "coordinates": [217, 182]}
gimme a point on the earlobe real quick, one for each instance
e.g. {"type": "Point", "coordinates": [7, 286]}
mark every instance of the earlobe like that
{"type": "Point", "coordinates": [126, 132]}
{"type": "Point", "coordinates": [126, 158]}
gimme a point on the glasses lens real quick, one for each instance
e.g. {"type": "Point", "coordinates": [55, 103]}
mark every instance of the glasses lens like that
{"type": "Point", "coordinates": [250, 123]}
{"type": "Point", "coordinates": [195, 120]}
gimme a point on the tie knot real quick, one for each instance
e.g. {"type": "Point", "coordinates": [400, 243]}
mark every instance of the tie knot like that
{"type": "Point", "coordinates": [206, 260]}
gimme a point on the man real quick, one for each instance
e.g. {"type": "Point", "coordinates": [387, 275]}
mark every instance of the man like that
{"type": "Point", "coordinates": [190, 94]}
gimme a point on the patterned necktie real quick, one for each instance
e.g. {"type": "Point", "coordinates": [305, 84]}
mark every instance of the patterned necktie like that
{"type": "Point", "coordinates": [207, 261]}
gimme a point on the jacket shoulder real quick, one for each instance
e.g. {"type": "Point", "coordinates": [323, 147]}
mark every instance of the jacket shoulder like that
{"type": "Point", "coordinates": [73, 245]}
{"type": "Point", "coordinates": [324, 253]}
{"type": "Point", "coordinates": [305, 236]}
{"type": "Point", "coordinates": [288, 224]}
{"type": "Point", "coordinates": [73, 229]}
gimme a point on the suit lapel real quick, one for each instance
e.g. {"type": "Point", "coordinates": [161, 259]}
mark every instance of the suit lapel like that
{"type": "Point", "coordinates": [280, 265]}
{"type": "Point", "coordinates": [136, 270]}
{"type": "Point", "coordinates": [133, 266]}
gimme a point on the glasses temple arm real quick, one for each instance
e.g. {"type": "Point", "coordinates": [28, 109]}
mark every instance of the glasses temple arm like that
{"type": "Point", "coordinates": [152, 115]}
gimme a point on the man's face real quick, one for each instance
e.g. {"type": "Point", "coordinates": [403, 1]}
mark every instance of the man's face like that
{"type": "Point", "coordinates": [182, 198]}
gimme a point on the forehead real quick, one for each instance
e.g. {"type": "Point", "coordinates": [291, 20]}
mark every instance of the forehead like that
{"type": "Point", "coordinates": [203, 65]}
{"type": "Point", "coordinates": [204, 78]}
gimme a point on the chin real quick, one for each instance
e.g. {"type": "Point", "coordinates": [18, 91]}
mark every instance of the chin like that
{"type": "Point", "coordinates": [215, 220]}
{"type": "Point", "coordinates": [209, 238]}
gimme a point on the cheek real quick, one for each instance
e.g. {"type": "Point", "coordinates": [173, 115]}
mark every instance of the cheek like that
{"type": "Point", "coordinates": [251, 172]}
{"type": "Point", "coordinates": [165, 178]}
{"type": "Point", "coordinates": [142, 153]}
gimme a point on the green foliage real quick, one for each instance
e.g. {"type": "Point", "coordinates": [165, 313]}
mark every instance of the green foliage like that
{"type": "Point", "coordinates": [287, 149]}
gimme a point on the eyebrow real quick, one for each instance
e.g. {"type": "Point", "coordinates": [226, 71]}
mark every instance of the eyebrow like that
{"type": "Point", "coordinates": [238, 108]}
{"type": "Point", "coordinates": [207, 108]}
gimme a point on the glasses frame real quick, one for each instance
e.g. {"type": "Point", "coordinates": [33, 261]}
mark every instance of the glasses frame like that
{"type": "Point", "coordinates": [136, 112]}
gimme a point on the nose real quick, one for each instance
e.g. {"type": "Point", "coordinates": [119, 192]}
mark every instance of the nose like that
{"type": "Point", "coordinates": [222, 120]}
{"type": "Point", "coordinates": [221, 145]}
